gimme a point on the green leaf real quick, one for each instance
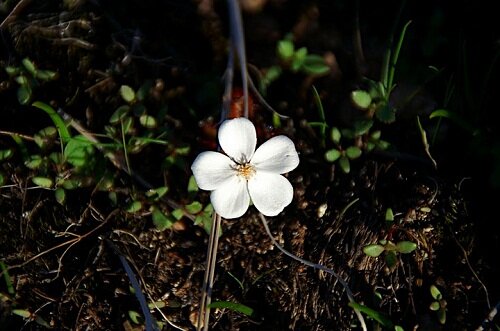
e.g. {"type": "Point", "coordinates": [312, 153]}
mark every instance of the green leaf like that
{"type": "Point", "coordinates": [46, 75]}
{"type": "Point", "coordinates": [285, 49]}
{"type": "Point", "coordinates": [24, 94]}
{"type": "Point", "coordinates": [2, 179]}
{"type": "Point", "coordinates": [398, 328]}
{"type": "Point", "coordinates": [6, 154]}
{"type": "Point", "coordinates": [135, 317]}
{"type": "Point", "coordinates": [148, 121]}
{"type": "Point", "coordinates": [128, 123]}
{"type": "Point", "coordinates": [42, 182]}
{"type": "Point", "coordinates": [441, 315]}
{"type": "Point", "coordinates": [353, 152]}
{"type": "Point", "coordinates": [178, 213]}
{"type": "Point", "coordinates": [434, 306]}
{"type": "Point", "coordinates": [335, 135]}
{"type": "Point", "coordinates": [6, 277]}
{"type": "Point", "coordinates": [194, 207]}
{"type": "Point", "coordinates": [29, 65]}
{"type": "Point", "coordinates": [362, 127]}
{"type": "Point", "coordinates": [376, 135]}
{"type": "Point", "coordinates": [79, 151]}
{"type": "Point", "coordinates": [436, 294]}
{"type": "Point", "coordinates": [127, 93]}
{"type": "Point", "coordinates": [71, 183]}
{"type": "Point", "coordinates": [119, 114]}
{"type": "Point", "coordinates": [361, 99]}
{"type": "Point", "coordinates": [134, 207]}
{"type": "Point", "coordinates": [160, 220]}
{"type": "Point", "coordinates": [344, 164]}
{"type": "Point", "coordinates": [454, 117]}
{"type": "Point", "coordinates": [406, 247]}
{"type": "Point", "coordinates": [157, 193]}
{"type": "Point", "coordinates": [143, 91]}
{"type": "Point", "coordinates": [56, 119]}
{"type": "Point", "coordinates": [192, 186]}
{"type": "Point", "coordinates": [238, 307]}
{"type": "Point", "coordinates": [385, 113]}
{"type": "Point", "coordinates": [391, 259]}
{"type": "Point", "coordinates": [332, 155]}
{"type": "Point", "coordinates": [34, 162]}
{"type": "Point", "coordinates": [298, 59]}
{"type": "Point", "coordinates": [377, 316]}
{"type": "Point", "coordinates": [21, 312]}
{"type": "Point", "coordinates": [11, 71]}
{"type": "Point", "coordinates": [315, 65]}
{"type": "Point", "coordinates": [389, 215]}
{"type": "Point", "coordinates": [60, 195]}
{"type": "Point", "coordinates": [22, 80]}
{"type": "Point", "coordinates": [270, 76]}
{"type": "Point", "coordinates": [373, 250]}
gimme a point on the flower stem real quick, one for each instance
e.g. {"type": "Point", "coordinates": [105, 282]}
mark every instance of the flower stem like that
{"type": "Point", "coordinates": [348, 291]}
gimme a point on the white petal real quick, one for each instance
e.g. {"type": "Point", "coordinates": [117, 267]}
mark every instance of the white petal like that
{"type": "Point", "coordinates": [231, 199]}
{"type": "Point", "coordinates": [277, 155]}
{"type": "Point", "coordinates": [270, 193]}
{"type": "Point", "coordinates": [238, 139]}
{"type": "Point", "coordinates": [212, 169]}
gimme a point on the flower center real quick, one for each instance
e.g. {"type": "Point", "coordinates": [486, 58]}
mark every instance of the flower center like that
{"type": "Point", "coordinates": [245, 170]}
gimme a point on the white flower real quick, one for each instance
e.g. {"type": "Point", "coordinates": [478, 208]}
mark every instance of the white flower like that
{"type": "Point", "coordinates": [246, 173]}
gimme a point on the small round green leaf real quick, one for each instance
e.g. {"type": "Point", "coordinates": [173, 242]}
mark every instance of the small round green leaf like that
{"type": "Point", "coordinates": [148, 121]}
{"type": "Point", "coordinates": [194, 208]}
{"type": "Point", "coordinates": [436, 294]}
{"type": "Point", "coordinates": [21, 312]}
{"type": "Point", "coordinates": [332, 155]}
{"type": "Point", "coordinates": [24, 94]}
{"type": "Point", "coordinates": [434, 306]}
{"type": "Point", "coordinates": [42, 182]}
{"type": "Point", "coordinates": [441, 315]}
{"type": "Point", "coordinates": [135, 317]}
{"type": "Point", "coordinates": [353, 152]}
{"type": "Point", "coordinates": [127, 93]}
{"type": "Point", "coordinates": [406, 247]}
{"type": "Point", "coordinates": [344, 164]}
{"type": "Point", "coordinates": [386, 113]}
{"type": "Point", "coordinates": [335, 135]}
{"type": "Point", "coordinates": [391, 259]}
{"type": "Point", "coordinates": [6, 154]}
{"type": "Point", "coordinates": [2, 179]}
{"type": "Point", "coordinates": [46, 75]}
{"type": "Point", "coordinates": [119, 114]}
{"type": "Point", "coordinates": [29, 65]}
{"type": "Point", "coordinates": [134, 207]}
{"type": "Point", "coordinates": [60, 195]}
{"type": "Point", "coordinates": [285, 49]}
{"type": "Point", "coordinates": [389, 215]}
{"type": "Point", "coordinates": [160, 220]}
{"type": "Point", "coordinates": [373, 250]}
{"type": "Point", "coordinates": [315, 65]}
{"type": "Point", "coordinates": [361, 99]}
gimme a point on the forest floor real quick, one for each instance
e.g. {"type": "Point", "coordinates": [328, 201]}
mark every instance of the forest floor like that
{"type": "Point", "coordinates": [145, 80]}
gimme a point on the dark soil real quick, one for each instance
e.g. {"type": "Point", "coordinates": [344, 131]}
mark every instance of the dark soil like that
{"type": "Point", "coordinates": [64, 260]}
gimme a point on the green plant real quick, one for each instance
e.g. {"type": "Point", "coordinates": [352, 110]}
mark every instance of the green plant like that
{"type": "Point", "coordinates": [439, 304]}
{"type": "Point", "coordinates": [391, 250]}
{"type": "Point", "coordinates": [295, 61]}
{"type": "Point", "coordinates": [28, 76]}
{"type": "Point", "coordinates": [374, 100]}
{"type": "Point", "coordinates": [350, 144]}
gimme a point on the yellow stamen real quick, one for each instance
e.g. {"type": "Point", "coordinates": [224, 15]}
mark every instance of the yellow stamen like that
{"type": "Point", "coordinates": [246, 170]}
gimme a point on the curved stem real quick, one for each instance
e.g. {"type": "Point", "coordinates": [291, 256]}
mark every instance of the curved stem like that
{"type": "Point", "coordinates": [348, 291]}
